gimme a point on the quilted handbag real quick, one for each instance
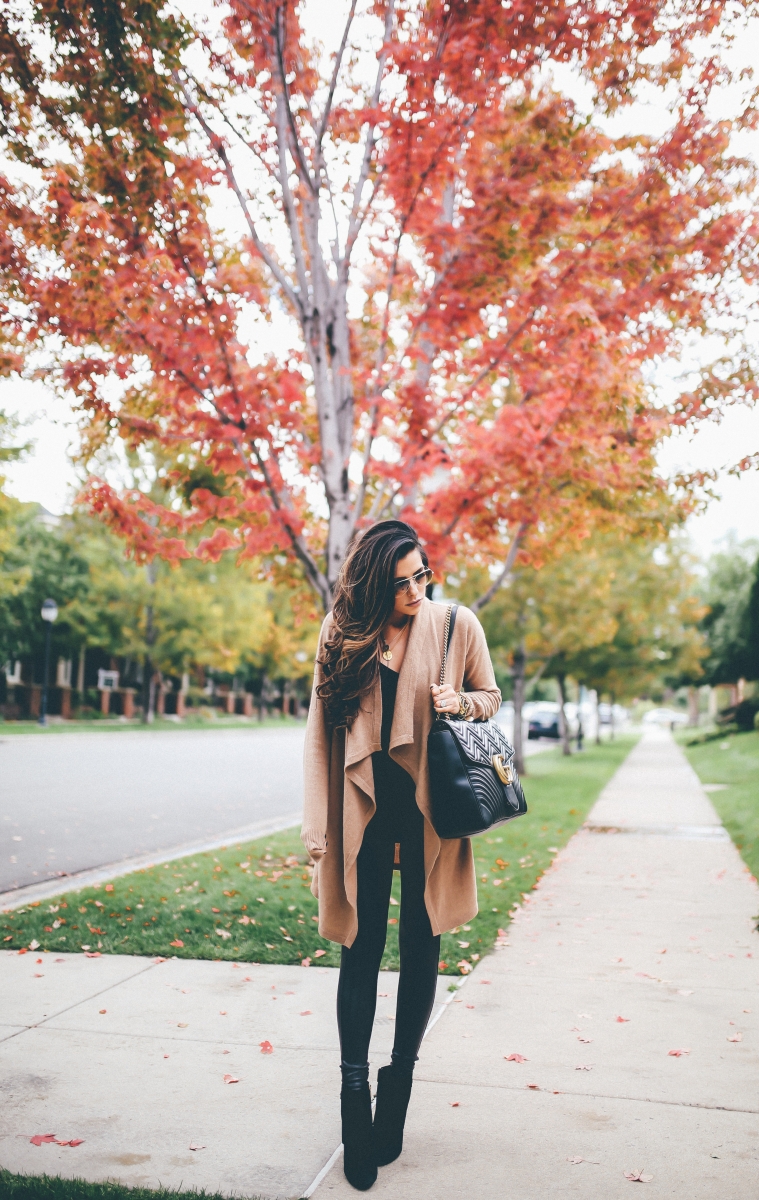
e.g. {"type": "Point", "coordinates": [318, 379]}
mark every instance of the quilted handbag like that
{"type": "Point", "coordinates": [473, 782]}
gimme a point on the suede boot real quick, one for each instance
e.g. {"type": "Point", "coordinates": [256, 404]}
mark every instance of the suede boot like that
{"type": "Point", "coordinates": [359, 1163]}
{"type": "Point", "coordinates": [393, 1093]}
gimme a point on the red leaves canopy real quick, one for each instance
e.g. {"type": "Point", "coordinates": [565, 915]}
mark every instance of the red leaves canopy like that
{"type": "Point", "coordinates": [476, 277]}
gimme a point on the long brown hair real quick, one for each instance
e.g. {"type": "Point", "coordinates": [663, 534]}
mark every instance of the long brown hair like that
{"type": "Point", "coordinates": [364, 600]}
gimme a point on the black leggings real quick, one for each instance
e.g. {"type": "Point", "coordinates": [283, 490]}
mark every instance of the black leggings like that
{"type": "Point", "coordinates": [360, 964]}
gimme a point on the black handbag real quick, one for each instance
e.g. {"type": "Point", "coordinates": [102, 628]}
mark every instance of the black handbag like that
{"type": "Point", "coordinates": [473, 781]}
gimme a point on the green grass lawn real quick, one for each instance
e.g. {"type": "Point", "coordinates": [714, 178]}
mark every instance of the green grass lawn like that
{"type": "Point", "coordinates": [52, 1187]}
{"type": "Point", "coordinates": [733, 760]}
{"type": "Point", "coordinates": [252, 902]}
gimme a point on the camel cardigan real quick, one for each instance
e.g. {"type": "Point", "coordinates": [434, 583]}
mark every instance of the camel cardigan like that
{"type": "Point", "coordinates": [339, 781]}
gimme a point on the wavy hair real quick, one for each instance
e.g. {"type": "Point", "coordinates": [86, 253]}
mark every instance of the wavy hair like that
{"type": "Point", "coordinates": [364, 600]}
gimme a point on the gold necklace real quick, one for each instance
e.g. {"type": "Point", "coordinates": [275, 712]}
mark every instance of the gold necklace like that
{"type": "Point", "coordinates": [387, 650]}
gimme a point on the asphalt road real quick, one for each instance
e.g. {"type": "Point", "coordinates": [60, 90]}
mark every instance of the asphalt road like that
{"type": "Point", "coordinates": [72, 801]}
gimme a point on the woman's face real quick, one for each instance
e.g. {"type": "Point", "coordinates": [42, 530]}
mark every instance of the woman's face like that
{"type": "Point", "coordinates": [408, 603]}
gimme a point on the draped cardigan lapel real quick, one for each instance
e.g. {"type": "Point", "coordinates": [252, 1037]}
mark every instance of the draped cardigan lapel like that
{"type": "Point", "coordinates": [339, 778]}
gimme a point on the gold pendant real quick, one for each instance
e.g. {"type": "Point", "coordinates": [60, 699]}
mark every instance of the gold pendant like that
{"type": "Point", "coordinates": [387, 655]}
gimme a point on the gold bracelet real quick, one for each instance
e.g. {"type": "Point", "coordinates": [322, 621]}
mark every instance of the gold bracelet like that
{"type": "Point", "coordinates": [464, 705]}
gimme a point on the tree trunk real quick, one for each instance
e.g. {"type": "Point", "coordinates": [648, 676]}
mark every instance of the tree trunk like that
{"type": "Point", "coordinates": [692, 706]}
{"type": "Point", "coordinates": [520, 662]}
{"type": "Point", "coordinates": [148, 671]}
{"type": "Point", "coordinates": [598, 718]}
{"type": "Point", "coordinates": [80, 672]}
{"type": "Point", "coordinates": [580, 730]}
{"type": "Point", "coordinates": [563, 723]}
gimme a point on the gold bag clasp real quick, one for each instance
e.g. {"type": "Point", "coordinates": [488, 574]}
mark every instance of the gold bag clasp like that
{"type": "Point", "coordinates": [504, 771]}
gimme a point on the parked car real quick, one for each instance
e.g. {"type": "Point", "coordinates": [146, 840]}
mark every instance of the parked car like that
{"type": "Point", "coordinates": [543, 720]}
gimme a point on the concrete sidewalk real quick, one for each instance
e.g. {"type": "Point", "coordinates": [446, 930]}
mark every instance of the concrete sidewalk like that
{"type": "Point", "coordinates": [651, 923]}
{"type": "Point", "coordinates": [654, 924]}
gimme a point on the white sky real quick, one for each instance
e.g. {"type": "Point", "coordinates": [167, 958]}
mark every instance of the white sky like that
{"type": "Point", "coordinates": [48, 477]}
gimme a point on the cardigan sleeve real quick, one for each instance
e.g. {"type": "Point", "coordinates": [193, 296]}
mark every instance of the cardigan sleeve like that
{"type": "Point", "coordinates": [316, 762]}
{"type": "Point", "coordinates": [479, 681]}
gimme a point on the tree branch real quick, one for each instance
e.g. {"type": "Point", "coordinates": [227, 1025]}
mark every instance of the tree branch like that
{"type": "Point", "coordinates": [220, 149]}
{"type": "Point", "coordinates": [333, 82]}
{"type": "Point", "coordinates": [504, 574]}
{"type": "Point", "coordinates": [280, 34]}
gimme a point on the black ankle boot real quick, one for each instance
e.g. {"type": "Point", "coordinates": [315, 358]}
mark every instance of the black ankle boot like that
{"type": "Point", "coordinates": [393, 1093]}
{"type": "Point", "coordinates": [359, 1163]}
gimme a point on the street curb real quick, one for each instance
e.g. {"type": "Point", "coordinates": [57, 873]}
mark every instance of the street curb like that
{"type": "Point", "coordinates": [18, 897]}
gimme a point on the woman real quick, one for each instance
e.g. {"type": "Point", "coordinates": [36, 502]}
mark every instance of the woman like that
{"type": "Point", "coordinates": [367, 808]}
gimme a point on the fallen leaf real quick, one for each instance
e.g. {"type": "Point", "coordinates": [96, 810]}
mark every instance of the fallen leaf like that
{"type": "Point", "coordinates": [583, 1068]}
{"type": "Point", "coordinates": [177, 942]}
{"type": "Point", "coordinates": [222, 1012]}
{"type": "Point", "coordinates": [484, 981]}
{"type": "Point", "coordinates": [109, 887]}
{"type": "Point", "coordinates": [76, 1141]}
{"type": "Point", "coordinates": [165, 1056]}
{"type": "Point", "coordinates": [222, 933]}
{"type": "Point", "coordinates": [518, 1058]}
{"type": "Point", "coordinates": [34, 944]}
{"type": "Point", "coordinates": [586, 1040]}
{"type": "Point", "coordinates": [464, 967]}
{"type": "Point", "coordinates": [535, 1087]}
{"type": "Point", "coordinates": [92, 954]}
{"type": "Point", "coordinates": [319, 953]}
{"type": "Point", "coordinates": [102, 1011]}
{"type": "Point", "coordinates": [231, 1079]}
{"type": "Point", "coordinates": [736, 1037]}
{"type": "Point", "coordinates": [464, 945]}
{"type": "Point", "coordinates": [621, 1020]}
{"type": "Point", "coordinates": [614, 960]}
{"type": "Point", "coordinates": [575, 1159]}
{"type": "Point", "coordinates": [638, 1177]}
{"type": "Point", "coordinates": [454, 1103]}
{"type": "Point", "coordinates": [182, 1024]}
{"type": "Point", "coordinates": [306, 962]}
{"type": "Point", "coordinates": [306, 1012]}
{"type": "Point", "coordinates": [39, 1138]}
{"type": "Point", "coordinates": [266, 1047]}
{"type": "Point", "coordinates": [677, 1053]}
{"type": "Point", "coordinates": [195, 1146]}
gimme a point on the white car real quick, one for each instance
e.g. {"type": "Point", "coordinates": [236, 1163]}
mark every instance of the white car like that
{"type": "Point", "coordinates": [666, 717]}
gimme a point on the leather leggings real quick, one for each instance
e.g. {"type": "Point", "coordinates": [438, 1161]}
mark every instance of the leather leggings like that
{"type": "Point", "coordinates": [419, 949]}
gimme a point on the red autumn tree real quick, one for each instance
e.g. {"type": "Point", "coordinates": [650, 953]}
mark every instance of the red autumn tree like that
{"type": "Point", "coordinates": [473, 276]}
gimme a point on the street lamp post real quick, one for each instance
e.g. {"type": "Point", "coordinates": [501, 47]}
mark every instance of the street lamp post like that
{"type": "Point", "coordinates": [48, 612]}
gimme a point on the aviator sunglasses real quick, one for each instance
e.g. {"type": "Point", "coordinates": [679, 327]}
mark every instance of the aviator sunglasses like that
{"type": "Point", "coordinates": [421, 579]}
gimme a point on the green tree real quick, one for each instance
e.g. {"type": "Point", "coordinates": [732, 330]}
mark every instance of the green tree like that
{"type": "Point", "coordinates": [731, 624]}
{"type": "Point", "coordinates": [620, 616]}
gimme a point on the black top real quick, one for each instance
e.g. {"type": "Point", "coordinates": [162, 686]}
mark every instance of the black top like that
{"type": "Point", "coordinates": [394, 789]}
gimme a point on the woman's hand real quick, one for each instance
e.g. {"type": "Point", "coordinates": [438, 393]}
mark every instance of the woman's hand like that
{"type": "Point", "coordinates": [445, 698]}
{"type": "Point", "coordinates": [316, 848]}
